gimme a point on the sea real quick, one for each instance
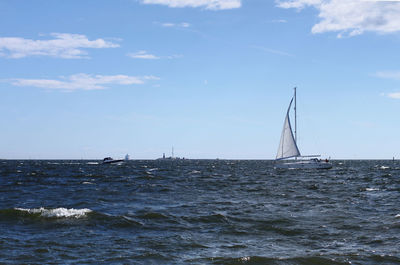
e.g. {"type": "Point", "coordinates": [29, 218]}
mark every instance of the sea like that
{"type": "Point", "coordinates": [198, 212]}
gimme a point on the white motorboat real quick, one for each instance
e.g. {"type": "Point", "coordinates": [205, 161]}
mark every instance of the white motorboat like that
{"type": "Point", "coordinates": [110, 160]}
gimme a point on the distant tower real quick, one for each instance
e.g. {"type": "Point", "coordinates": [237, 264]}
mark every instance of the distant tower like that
{"type": "Point", "coordinates": [126, 157]}
{"type": "Point", "coordinates": [163, 155]}
{"type": "Point", "coordinates": [172, 152]}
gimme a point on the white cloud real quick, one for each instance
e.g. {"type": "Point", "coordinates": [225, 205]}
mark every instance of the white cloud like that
{"type": "Point", "coordinates": [268, 50]}
{"type": "Point", "coordinates": [168, 25]}
{"type": "Point", "coordinates": [184, 25]}
{"type": "Point", "coordinates": [364, 124]}
{"type": "Point", "coordinates": [207, 4]}
{"type": "Point", "coordinates": [175, 56]}
{"type": "Point", "coordinates": [279, 21]}
{"type": "Point", "coordinates": [395, 75]}
{"type": "Point", "coordinates": [82, 82]}
{"type": "Point", "coordinates": [174, 25]}
{"type": "Point", "coordinates": [395, 95]}
{"type": "Point", "coordinates": [351, 17]}
{"type": "Point", "coordinates": [148, 56]}
{"type": "Point", "coordinates": [63, 45]}
{"type": "Point", "coordinates": [298, 3]}
{"type": "Point", "coordinates": [389, 74]}
{"type": "Point", "coordinates": [143, 55]}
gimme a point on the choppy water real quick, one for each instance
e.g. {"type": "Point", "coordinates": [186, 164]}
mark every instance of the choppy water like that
{"type": "Point", "coordinates": [198, 212]}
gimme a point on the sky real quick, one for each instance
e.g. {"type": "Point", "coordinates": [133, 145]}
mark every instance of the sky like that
{"type": "Point", "coordinates": [212, 78]}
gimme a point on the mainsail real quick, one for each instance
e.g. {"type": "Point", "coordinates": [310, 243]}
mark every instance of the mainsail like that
{"type": "Point", "coordinates": [287, 146]}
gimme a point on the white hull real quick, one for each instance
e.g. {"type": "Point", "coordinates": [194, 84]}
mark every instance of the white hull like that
{"type": "Point", "coordinates": [109, 160]}
{"type": "Point", "coordinates": [113, 161]}
{"type": "Point", "coordinates": [307, 164]}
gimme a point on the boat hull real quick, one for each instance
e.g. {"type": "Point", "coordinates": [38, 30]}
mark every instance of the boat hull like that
{"type": "Point", "coordinates": [304, 165]}
{"type": "Point", "coordinates": [112, 161]}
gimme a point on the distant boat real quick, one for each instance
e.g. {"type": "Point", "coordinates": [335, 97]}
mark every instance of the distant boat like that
{"type": "Point", "coordinates": [172, 157]}
{"type": "Point", "coordinates": [110, 160]}
{"type": "Point", "coordinates": [288, 147]}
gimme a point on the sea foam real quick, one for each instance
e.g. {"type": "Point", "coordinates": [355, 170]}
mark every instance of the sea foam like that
{"type": "Point", "coordinates": [57, 212]}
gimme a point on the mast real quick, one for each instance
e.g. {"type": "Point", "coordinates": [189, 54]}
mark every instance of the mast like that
{"type": "Point", "coordinates": [295, 117]}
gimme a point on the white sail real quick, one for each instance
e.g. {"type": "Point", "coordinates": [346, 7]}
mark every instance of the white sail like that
{"type": "Point", "coordinates": [287, 146]}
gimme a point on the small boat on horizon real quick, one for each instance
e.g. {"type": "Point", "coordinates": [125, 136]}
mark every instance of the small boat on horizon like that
{"type": "Point", "coordinates": [288, 147]}
{"type": "Point", "coordinates": [110, 160]}
{"type": "Point", "coordinates": [172, 157]}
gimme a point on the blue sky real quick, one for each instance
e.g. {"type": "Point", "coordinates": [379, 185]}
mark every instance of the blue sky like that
{"type": "Point", "coordinates": [213, 78]}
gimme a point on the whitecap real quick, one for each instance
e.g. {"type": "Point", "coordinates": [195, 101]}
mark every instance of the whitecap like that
{"type": "Point", "coordinates": [371, 189]}
{"type": "Point", "coordinates": [384, 167]}
{"type": "Point", "coordinates": [58, 212]}
{"type": "Point", "coordinates": [92, 163]}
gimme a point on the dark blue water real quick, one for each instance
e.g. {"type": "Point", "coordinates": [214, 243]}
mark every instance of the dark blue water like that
{"type": "Point", "coordinates": [198, 212]}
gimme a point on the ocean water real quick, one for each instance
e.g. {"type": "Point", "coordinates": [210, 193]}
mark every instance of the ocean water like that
{"type": "Point", "coordinates": [198, 212]}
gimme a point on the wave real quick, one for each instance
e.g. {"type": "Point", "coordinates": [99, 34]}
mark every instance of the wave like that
{"type": "Point", "coordinates": [267, 260]}
{"type": "Point", "coordinates": [152, 215]}
{"type": "Point", "coordinates": [57, 212]}
{"type": "Point", "coordinates": [65, 216]}
{"type": "Point", "coordinates": [87, 183]}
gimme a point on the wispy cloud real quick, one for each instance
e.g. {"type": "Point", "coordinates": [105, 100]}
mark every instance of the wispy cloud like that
{"type": "Point", "coordinates": [63, 45]}
{"type": "Point", "coordinates": [268, 50]}
{"type": "Point", "coordinates": [143, 55]}
{"type": "Point", "coordinates": [147, 56]}
{"type": "Point", "coordinates": [175, 25]}
{"type": "Point", "coordinates": [279, 21]}
{"type": "Point", "coordinates": [352, 17]}
{"type": "Point", "coordinates": [364, 124]}
{"type": "Point", "coordinates": [81, 82]}
{"type": "Point", "coordinates": [207, 4]}
{"type": "Point", "coordinates": [389, 75]}
{"type": "Point", "coordinates": [395, 95]}
{"type": "Point", "coordinates": [394, 75]}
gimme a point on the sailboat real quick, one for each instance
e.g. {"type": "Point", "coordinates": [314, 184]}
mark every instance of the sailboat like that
{"type": "Point", "coordinates": [288, 148]}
